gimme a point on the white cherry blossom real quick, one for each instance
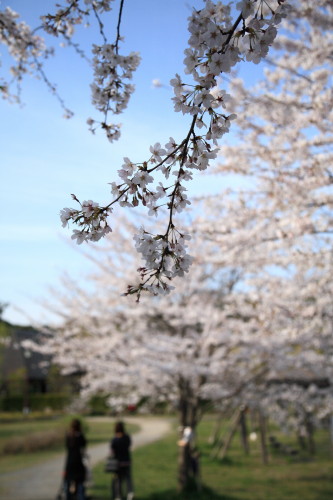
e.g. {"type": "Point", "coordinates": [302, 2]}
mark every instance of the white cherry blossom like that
{"type": "Point", "coordinates": [219, 38]}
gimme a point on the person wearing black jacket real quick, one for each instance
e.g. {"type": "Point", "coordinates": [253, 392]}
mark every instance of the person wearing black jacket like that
{"type": "Point", "coordinates": [75, 443]}
{"type": "Point", "coordinates": [120, 449]}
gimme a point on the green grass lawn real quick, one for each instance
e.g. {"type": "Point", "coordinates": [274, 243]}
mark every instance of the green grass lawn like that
{"type": "Point", "coordinates": [238, 477]}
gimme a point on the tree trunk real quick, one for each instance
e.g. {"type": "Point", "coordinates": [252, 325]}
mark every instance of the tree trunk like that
{"type": "Point", "coordinates": [262, 426]}
{"type": "Point", "coordinates": [301, 441]}
{"type": "Point", "coordinates": [243, 427]}
{"type": "Point", "coordinates": [310, 435]}
{"type": "Point", "coordinates": [331, 433]}
{"type": "Point", "coordinates": [188, 407]}
{"type": "Point", "coordinates": [184, 467]}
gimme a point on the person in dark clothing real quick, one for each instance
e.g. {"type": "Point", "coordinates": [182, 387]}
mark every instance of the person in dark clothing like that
{"type": "Point", "coordinates": [120, 449]}
{"type": "Point", "coordinates": [74, 468]}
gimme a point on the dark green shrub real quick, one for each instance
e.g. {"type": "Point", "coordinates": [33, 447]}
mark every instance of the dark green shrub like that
{"type": "Point", "coordinates": [35, 402]}
{"type": "Point", "coordinates": [97, 405]}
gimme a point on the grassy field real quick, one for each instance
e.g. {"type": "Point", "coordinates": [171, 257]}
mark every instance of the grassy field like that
{"type": "Point", "coordinates": [19, 438]}
{"type": "Point", "coordinates": [238, 477]}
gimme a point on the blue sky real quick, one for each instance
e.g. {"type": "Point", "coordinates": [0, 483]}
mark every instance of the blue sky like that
{"type": "Point", "coordinates": [44, 157]}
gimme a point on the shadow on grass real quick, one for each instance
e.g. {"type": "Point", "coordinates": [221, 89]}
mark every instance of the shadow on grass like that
{"type": "Point", "coordinates": [100, 493]}
{"type": "Point", "coordinates": [227, 461]}
{"type": "Point", "coordinates": [191, 494]}
{"type": "Point", "coordinates": [205, 494]}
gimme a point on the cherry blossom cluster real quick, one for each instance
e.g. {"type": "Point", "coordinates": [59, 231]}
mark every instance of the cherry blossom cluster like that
{"type": "Point", "coordinates": [74, 13]}
{"type": "Point", "coordinates": [91, 219]}
{"type": "Point", "coordinates": [25, 47]}
{"type": "Point", "coordinates": [216, 44]}
{"type": "Point", "coordinates": [111, 90]}
{"type": "Point", "coordinates": [310, 405]}
{"type": "Point", "coordinates": [165, 254]}
{"type": "Point", "coordinates": [165, 257]}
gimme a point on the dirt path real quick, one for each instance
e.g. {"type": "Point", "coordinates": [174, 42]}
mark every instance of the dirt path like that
{"type": "Point", "coordinates": [42, 481]}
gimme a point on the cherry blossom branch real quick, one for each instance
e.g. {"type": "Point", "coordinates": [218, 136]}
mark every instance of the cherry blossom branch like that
{"type": "Point", "coordinates": [52, 88]}
{"type": "Point", "coordinates": [119, 23]}
{"type": "Point", "coordinates": [26, 49]}
{"type": "Point", "coordinates": [100, 24]}
{"type": "Point", "coordinates": [111, 89]}
{"type": "Point", "coordinates": [112, 72]}
{"type": "Point", "coordinates": [216, 45]}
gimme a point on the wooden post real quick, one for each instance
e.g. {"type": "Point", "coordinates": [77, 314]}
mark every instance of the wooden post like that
{"type": "Point", "coordinates": [214, 437]}
{"type": "Point", "coordinates": [230, 434]}
{"type": "Point", "coordinates": [220, 441]}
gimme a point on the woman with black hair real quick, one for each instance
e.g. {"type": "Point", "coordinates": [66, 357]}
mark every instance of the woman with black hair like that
{"type": "Point", "coordinates": [74, 469]}
{"type": "Point", "coordinates": [120, 449]}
